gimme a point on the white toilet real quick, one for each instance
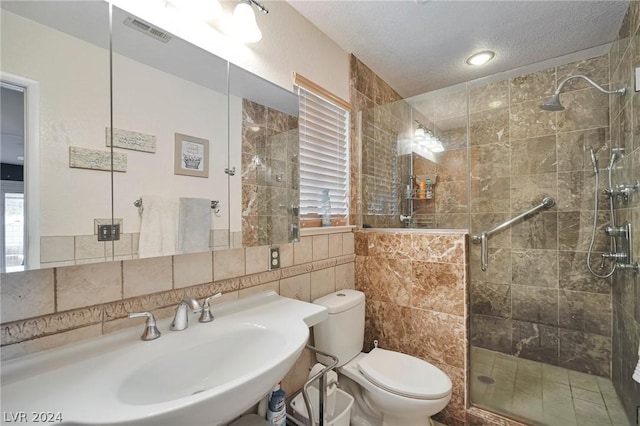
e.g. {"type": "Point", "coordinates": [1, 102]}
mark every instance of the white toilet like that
{"type": "Point", "coordinates": [390, 388]}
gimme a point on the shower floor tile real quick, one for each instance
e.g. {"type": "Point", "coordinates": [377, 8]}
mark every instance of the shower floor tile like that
{"type": "Point", "coordinates": [541, 394]}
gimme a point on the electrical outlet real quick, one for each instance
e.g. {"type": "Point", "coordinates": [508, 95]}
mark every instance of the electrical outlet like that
{"type": "Point", "coordinates": [274, 258]}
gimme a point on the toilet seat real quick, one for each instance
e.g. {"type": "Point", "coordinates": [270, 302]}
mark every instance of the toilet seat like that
{"type": "Point", "coordinates": [404, 375]}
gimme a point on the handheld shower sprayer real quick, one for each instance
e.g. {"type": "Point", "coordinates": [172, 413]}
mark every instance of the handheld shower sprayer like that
{"type": "Point", "coordinates": [594, 161]}
{"type": "Point", "coordinates": [553, 104]}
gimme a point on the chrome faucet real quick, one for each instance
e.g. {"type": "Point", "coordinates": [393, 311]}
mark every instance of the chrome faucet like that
{"type": "Point", "coordinates": [206, 315]}
{"type": "Point", "coordinates": [151, 332]}
{"type": "Point", "coordinates": [181, 320]}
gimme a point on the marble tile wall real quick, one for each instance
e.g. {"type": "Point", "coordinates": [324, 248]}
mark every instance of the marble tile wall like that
{"type": "Point", "coordinates": [625, 129]}
{"type": "Point", "coordinates": [47, 308]}
{"type": "Point", "coordinates": [377, 169]}
{"type": "Point", "coordinates": [386, 169]}
{"type": "Point", "coordinates": [415, 283]}
{"type": "Point", "coordinates": [270, 171]}
{"type": "Point", "coordinates": [537, 300]}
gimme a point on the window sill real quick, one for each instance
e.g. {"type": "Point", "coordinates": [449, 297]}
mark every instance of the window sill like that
{"type": "Point", "coordinates": [307, 232]}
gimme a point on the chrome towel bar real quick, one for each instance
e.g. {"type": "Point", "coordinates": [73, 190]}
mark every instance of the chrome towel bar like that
{"type": "Point", "coordinates": [138, 203]}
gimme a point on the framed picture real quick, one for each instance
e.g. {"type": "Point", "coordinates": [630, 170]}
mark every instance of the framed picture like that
{"type": "Point", "coordinates": [191, 156]}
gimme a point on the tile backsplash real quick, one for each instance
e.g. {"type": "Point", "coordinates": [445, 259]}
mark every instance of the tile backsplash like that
{"type": "Point", "coordinates": [46, 308]}
{"type": "Point", "coordinates": [67, 250]}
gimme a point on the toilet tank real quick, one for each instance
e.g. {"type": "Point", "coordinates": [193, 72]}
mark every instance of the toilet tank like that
{"type": "Point", "coordinates": [342, 334]}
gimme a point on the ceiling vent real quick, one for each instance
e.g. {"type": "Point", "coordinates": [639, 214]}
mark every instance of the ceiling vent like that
{"type": "Point", "coordinates": [148, 29]}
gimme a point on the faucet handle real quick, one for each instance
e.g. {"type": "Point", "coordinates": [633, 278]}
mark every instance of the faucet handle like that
{"type": "Point", "coordinates": [206, 315]}
{"type": "Point", "coordinates": [150, 332]}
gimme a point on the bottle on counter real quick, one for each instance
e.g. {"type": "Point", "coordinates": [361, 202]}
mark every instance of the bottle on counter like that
{"type": "Point", "coordinates": [277, 409]}
{"type": "Point", "coordinates": [326, 208]}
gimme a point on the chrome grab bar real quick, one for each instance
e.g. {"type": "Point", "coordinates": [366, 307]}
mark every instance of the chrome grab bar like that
{"type": "Point", "coordinates": [483, 238]}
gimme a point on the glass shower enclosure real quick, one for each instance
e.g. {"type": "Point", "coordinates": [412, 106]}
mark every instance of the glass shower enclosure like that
{"type": "Point", "coordinates": [550, 342]}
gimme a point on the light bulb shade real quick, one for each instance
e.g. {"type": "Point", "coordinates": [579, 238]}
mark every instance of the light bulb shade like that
{"type": "Point", "coordinates": [244, 23]}
{"type": "Point", "coordinates": [437, 147]}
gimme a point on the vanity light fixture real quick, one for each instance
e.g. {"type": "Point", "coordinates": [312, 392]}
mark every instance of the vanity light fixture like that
{"type": "Point", "coordinates": [425, 138]}
{"type": "Point", "coordinates": [244, 22]}
{"type": "Point", "coordinates": [481, 58]}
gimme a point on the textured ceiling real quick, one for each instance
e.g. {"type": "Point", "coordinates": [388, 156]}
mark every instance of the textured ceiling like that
{"type": "Point", "coordinates": [418, 46]}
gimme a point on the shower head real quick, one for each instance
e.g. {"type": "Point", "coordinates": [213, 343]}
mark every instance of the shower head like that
{"type": "Point", "coordinates": [553, 104]}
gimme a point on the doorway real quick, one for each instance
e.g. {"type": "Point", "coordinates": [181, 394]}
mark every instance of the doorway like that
{"type": "Point", "coordinates": [12, 194]}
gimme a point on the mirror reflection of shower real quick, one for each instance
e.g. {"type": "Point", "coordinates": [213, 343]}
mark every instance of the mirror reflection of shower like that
{"type": "Point", "coordinates": [624, 257]}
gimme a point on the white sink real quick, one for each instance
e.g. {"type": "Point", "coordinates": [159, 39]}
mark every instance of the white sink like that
{"type": "Point", "coordinates": [205, 375]}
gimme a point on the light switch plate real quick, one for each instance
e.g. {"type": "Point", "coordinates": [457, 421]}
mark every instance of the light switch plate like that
{"type": "Point", "coordinates": [108, 232]}
{"type": "Point", "coordinates": [106, 221]}
{"type": "Point", "coordinates": [638, 79]}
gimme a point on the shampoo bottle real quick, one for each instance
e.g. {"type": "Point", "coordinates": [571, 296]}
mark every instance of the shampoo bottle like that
{"type": "Point", "coordinates": [326, 208]}
{"type": "Point", "coordinates": [422, 191]}
{"type": "Point", "coordinates": [277, 411]}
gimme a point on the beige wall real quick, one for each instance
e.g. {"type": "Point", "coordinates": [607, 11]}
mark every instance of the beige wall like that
{"type": "Point", "coordinates": [26, 52]}
{"type": "Point", "coordinates": [290, 43]}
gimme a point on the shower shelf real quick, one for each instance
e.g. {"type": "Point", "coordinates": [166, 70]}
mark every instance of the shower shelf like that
{"type": "Point", "coordinates": [415, 195]}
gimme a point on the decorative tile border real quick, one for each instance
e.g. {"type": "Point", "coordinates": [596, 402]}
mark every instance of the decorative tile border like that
{"type": "Point", "coordinates": [19, 331]}
{"type": "Point", "coordinates": [33, 328]}
{"type": "Point", "coordinates": [323, 264]}
{"type": "Point", "coordinates": [296, 270]}
{"type": "Point", "coordinates": [92, 159]}
{"type": "Point", "coordinates": [134, 141]}
{"type": "Point", "coordinates": [348, 258]}
{"type": "Point", "coordinates": [259, 278]}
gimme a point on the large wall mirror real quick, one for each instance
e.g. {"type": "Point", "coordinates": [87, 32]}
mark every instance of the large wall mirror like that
{"type": "Point", "coordinates": [182, 150]}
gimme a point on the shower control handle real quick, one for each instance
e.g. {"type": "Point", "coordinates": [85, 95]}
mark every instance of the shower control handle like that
{"type": "Point", "coordinates": [623, 190]}
{"type": "Point", "coordinates": [614, 256]}
{"type": "Point", "coordinates": [618, 231]}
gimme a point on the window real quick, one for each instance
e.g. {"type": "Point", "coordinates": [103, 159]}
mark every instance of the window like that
{"type": "Point", "coordinates": [324, 152]}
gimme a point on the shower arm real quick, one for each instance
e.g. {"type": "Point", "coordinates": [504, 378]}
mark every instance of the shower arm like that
{"type": "Point", "coordinates": [593, 83]}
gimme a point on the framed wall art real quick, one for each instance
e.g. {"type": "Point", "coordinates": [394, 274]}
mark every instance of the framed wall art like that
{"type": "Point", "coordinates": [191, 156]}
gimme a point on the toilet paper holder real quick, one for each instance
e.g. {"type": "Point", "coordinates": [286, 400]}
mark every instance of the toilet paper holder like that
{"type": "Point", "coordinates": [322, 387]}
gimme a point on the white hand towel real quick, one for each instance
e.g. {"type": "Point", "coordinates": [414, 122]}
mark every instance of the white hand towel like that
{"type": "Point", "coordinates": [194, 224]}
{"type": "Point", "coordinates": [158, 226]}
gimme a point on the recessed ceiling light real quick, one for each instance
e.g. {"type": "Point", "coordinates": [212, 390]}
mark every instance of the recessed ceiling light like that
{"type": "Point", "coordinates": [480, 57]}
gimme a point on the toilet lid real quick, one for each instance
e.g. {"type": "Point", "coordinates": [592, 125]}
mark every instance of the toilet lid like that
{"type": "Point", "coordinates": [404, 375]}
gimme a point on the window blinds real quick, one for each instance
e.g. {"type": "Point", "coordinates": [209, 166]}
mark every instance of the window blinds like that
{"type": "Point", "coordinates": [324, 159]}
